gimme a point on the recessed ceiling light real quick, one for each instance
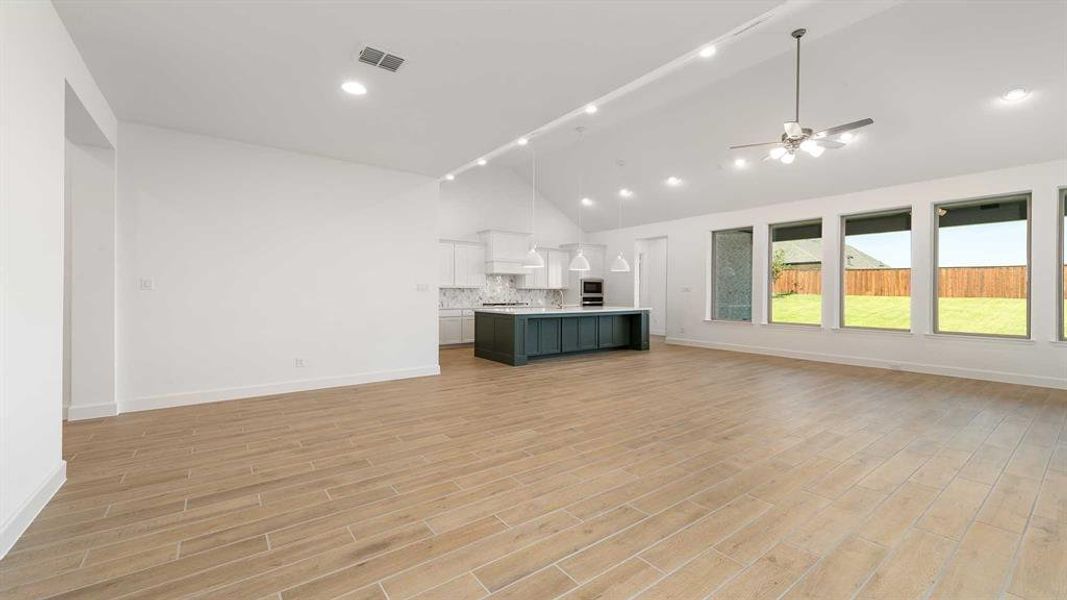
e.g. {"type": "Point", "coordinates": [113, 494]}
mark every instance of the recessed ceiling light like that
{"type": "Point", "coordinates": [673, 181]}
{"type": "Point", "coordinates": [626, 193]}
{"type": "Point", "coordinates": [482, 162]}
{"type": "Point", "coordinates": [522, 141]}
{"type": "Point", "coordinates": [740, 163]}
{"type": "Point", "coordinates": [354, 87]}
{"type": "Point", "coordinates": [590, 109]}
{"type": "Point", "coordinates": [846, 137]}
{"type": "Point", "coordinates": [1015, 95]}
{"type": "Point", "coordinates": [450, 177]}
{"type": "Point", "coordinates": [587, 201]}
{"type": "Point", "coordinates": [707, 52]}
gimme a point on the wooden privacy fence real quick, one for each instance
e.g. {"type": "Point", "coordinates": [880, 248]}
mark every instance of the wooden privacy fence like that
{"type": "Point", "coordinates": [954, 282]}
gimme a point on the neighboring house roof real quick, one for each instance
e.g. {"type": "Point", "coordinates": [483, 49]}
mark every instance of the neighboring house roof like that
{"type": "Point", "coordinates": [806, 252]}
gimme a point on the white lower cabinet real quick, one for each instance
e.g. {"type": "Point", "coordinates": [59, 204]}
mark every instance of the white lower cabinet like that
{"type": "Point", "coordinates": [468, 330]}
{"type": "Point", "coordinates": [455, 326]}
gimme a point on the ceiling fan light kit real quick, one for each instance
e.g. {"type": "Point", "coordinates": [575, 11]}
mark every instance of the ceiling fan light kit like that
{"type": "Point", "coordinates": [797, 137]}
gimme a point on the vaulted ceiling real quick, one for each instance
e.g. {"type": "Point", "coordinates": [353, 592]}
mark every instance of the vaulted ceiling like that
{"type": "Point", "coordinates": [480, 74]}
{"type": "Point", "coordinates": [477, 73]}
{"type": "Point", "coordinates": [930, 75]}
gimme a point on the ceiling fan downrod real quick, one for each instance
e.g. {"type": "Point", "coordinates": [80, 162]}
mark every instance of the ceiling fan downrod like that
{"type": "Point", "coordinates": [797, 34]}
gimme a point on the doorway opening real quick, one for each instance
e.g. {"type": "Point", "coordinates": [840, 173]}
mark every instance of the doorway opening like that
{"type": "Point", "coordinates": [650, 281]}
{"type": "Point", "coordinates": [88, 266]}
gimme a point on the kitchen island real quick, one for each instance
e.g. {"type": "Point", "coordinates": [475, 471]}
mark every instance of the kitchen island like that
{"type": "Point", "coordinates": [515, 335]}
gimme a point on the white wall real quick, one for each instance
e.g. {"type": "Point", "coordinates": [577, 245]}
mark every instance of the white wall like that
{"type": "Point", "coordinates": [258, 257]}
{"type": "Point", "coordinates": [91, 294]}
{"type": "Point", "coordinates": [1040, 361]}
{"type": "Point", "coordinates": [497, 198]}
{"type": "Point", "coordinates": [36, 57]}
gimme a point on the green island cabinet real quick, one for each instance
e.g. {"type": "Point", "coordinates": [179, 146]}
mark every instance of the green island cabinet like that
{"type": "Point", "coordinates": [516, 337]}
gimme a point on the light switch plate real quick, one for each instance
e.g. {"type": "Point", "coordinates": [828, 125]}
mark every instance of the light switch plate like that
{"type": "Point", "coordinates": [145, 284]}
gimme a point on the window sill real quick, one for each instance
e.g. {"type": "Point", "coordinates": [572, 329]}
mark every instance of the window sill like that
{"type": "Point", "coordinates": [792, 326]}
{"type": "Point", "coordinates": [728, 322]}
{"type": "Point", "coordinates": [872, 331]}
{"type": "Point", "coordinates": [1060, 343]}
{"type": "Point", "coordinates": [985, 339]}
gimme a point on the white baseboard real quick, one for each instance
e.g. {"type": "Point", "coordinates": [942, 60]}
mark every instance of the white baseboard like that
{"type": "Point", "coordinates": [964, 373]}
{"type": "Point", "coordinates": [285, 387]}
{"type": "Point", "coordinates": [91, 411]}
{"type": "Point", "coordinates": [14, 527]}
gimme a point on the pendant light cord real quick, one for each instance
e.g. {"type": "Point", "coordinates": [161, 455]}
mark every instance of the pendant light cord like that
{"type": "Point", "coordinates": [533, 200]}
{"type": "Point", "coordinates": [581, 183]}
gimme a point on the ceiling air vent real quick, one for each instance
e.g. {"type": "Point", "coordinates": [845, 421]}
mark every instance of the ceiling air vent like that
{"type": "Point", "coordinates": [379, 58]}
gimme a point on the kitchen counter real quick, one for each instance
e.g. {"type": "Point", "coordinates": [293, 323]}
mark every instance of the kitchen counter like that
{"type": "Point", "coordinates": [552, 310]}
{"type": "Point", "coordinates": [515, 335]}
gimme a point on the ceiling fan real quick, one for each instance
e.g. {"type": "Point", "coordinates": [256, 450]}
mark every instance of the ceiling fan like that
{"type": "Point", "coordinates": [802, 138]}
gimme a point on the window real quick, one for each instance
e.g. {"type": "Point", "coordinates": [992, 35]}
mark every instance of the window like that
{"type": "Point", "coordinates": [731, 275]}
{"type": "Point", "coordinates": [1063, 270]}
{"type": "Point", "coordinates": [983, 267]}
{"type": "Point", "coordinates": [876, 275]}
{"type": "Point", "coordinates": [796, 273]}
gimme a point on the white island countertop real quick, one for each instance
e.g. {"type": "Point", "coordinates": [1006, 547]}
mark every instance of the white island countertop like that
{"type": "Point", "coordinates": [551, 310]}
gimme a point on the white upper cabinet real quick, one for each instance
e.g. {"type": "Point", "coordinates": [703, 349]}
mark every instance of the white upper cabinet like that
{"type": "Point", "coordinates": [504, 251]}
{"type": "Point", "coordinates": [446, 264]}
{"type": "Point", "coordinates": [558, 261]}
{"type": "Point", "coordinates": [460, 264]}
{"type": "Point", "coordinates": [470, 265]}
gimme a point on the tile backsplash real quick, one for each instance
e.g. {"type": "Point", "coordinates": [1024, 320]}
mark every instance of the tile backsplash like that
{"type": "Point", "coordinates": [498, 288]}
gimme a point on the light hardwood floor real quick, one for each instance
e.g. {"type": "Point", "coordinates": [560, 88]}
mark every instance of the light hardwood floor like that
{"type": "Point", "coordinates": [675, 473]}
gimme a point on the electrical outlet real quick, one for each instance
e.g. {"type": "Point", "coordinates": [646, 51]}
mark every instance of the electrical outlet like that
{"type": "Point", "coordinates": [686, 289]}
{"type": "Point", "coordinates": [299, 363]}
{"type": "Point", "coordinates": [146, 285]}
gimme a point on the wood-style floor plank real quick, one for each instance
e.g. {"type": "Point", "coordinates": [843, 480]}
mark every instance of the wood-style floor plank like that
{"type": "Point", "coordinates": [675, 473]}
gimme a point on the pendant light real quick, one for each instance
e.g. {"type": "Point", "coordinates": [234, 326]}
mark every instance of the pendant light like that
{"type": "Point", "coordinates": [580, 262]}
{"type": "Point", "coordinates": [619, 264]}
{"type": "Point", "coordinates": [533, 259]}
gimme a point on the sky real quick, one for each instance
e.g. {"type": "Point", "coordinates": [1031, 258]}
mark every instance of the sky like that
{"type": "Point", "coordinates": [992, 244]}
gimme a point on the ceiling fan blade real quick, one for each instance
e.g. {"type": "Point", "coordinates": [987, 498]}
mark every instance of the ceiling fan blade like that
{"type": "Point", "coordinates": [831, 144]}
{"type": "Point", "coordinates": [843, 128]}
{"type": "Point", "coordinates": [755, 145]}
{"type": "Point", "coordinates": [793, 129]}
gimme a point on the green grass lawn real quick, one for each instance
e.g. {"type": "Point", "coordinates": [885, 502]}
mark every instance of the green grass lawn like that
{"type": "Point", "coordinates": [1000, 316]}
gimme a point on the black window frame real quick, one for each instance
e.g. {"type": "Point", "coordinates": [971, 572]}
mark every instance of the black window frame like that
{"type": "Point", "coordinates": [770, 274]}
{"type": "Point", "coordinates": [841, 291]}
{"type": "Point", "coordinates": [1027, 197]}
